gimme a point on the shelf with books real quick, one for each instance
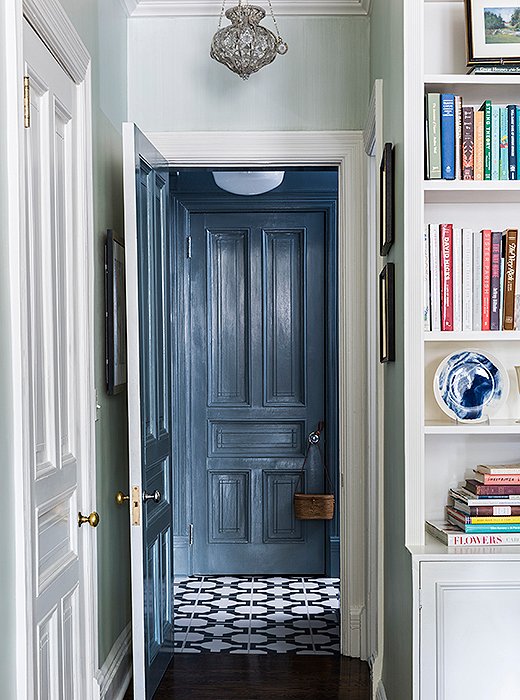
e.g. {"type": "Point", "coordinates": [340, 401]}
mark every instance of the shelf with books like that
{"type": "Point", "coordinates": [471, 336]}
{"type": "Point", "coordinates": [496, 426]}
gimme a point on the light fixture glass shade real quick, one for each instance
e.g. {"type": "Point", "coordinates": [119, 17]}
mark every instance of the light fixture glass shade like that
{"type": "Point", "coordinates": [248, 182]}
{"type": "Point", "coordinates": [246, 46]}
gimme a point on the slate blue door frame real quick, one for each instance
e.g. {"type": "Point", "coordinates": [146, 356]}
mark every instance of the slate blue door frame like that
{"type": "Point", "coordinates": [184, 206]}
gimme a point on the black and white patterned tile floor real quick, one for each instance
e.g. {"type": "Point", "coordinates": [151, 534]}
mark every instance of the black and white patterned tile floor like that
{"type": "Point", "coordinates": [257, 615]}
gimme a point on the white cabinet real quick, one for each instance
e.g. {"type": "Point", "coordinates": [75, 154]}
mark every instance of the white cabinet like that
{"type": "Point", "coordinates": [469, 623]}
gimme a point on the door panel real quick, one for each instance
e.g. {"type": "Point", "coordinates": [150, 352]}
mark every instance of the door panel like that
{"type": "Point", "coordinates": [148, 287]}
{"type": "Point", "coordinates": [257, 388]}
{"type": "Point", "coordinates": [54, 323]}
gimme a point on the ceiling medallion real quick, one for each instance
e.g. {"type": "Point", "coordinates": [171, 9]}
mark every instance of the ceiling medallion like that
{"type": "Point", "coordinates": [246, 46]}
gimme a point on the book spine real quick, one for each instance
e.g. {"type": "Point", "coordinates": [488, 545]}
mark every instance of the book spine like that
{"type": "Point", "coordinates": [468, 125]}
{"type": "Point", "coordinates": [478, 146]}
{"type": "Point", "coordinates": [482, 529]}
{"type": "Point", "coordinates": [477, 281]}
{"type": "Point", "coordinates": [499, 478]}
{"type": "Point", "coordinates": [517, 142]}
{"type": "Point", "coordinates": [511, 241]}
{"type": "Point", "coordinates": [458, 137]}
{"type": "Point", "coordinates": [448, 136]}
{"type": "Point", "coordinates": [486, 280]}
{"type": "Point", "coordinates": [426, 140]}
{"type": "Point", "coordinates": [495, 142]}
{"type": "Point", "coordinates": [491, 489]}
{"type": "Point", "coordinates": [446, 265]}
{"type": "Point", "coordinates": [496, 264]}
{"type": "Point", "coordinates": [426, 289]}
{"type": "Point", "coordinates": [486, 109]}
{"type": "Point", "coordinates": [434, 129]}
{"type": "Point", "coordinates": [487, 511]}
{"type": "Point", "coordinates": [504, 155]}
{"type": "Point", "coordinates": [435, 278]}
{"type": "Point", "coordinates": [457, 279]}
{"type": "Point", "coordinates": [511, 120]}
{"type": "Point", "coordinates": [467, 279]}
{"type": "Point", "coordinates": [482, 520]}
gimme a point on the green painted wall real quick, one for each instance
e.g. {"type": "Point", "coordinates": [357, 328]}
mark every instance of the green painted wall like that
{"type": "Point", "coordinates": [386, 57]}
{"type": "Point", "coordinates": [102, 26]}
{"type": "Point", "coordinates": [321, 83]}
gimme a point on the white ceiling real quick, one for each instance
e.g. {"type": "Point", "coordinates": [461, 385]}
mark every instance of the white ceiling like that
{"type": "Point", "coordinates": [198, 8]}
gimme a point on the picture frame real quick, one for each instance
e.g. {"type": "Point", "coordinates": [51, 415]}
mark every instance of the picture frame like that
{"type": "Point", "coordinates": [387, 313]}
{"type": "Point", "coordinates": [386, 199]}
{"type": "Point", "coordinates": [492, 32]}
{"type": "Point", "coordinates": [115, 314]}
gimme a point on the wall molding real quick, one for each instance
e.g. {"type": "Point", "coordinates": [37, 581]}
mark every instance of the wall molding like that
{"type": "Point", "coordinates": [210, 8]}
{"type": "Point", "coordinates": [345, 150]}
{"type": "Point", "coordinates": [113, 678]}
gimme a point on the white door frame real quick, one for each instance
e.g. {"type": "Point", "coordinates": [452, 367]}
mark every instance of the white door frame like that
{"type": "Point", "coordinates": [57, 32]}
{"type": "Point", "coordinates": [343, 149]}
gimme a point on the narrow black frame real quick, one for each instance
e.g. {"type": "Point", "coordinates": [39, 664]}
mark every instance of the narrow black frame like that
{"type": "Point", "coordinates": [115, 316]}
{"type": "Point", "coordinates": [386, 199]}
{"type": "Point", "coordinates": [387, 313]}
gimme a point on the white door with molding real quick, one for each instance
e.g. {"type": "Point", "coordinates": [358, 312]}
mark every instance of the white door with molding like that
{"type": "Point", "coordinates": [57, 392]}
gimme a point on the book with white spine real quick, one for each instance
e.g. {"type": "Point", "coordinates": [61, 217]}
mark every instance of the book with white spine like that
{"type": "Point", "coordinates": [477, 281]}
{"type": "Point", "coordinates": [467, 279]}
{"type": "Point", "coordinates": [457, 279]}
{"type": "Point", "coordinates": [435, 278]}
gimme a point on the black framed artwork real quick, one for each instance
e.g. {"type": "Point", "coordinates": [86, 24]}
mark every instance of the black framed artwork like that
{"type": "Point", "coordinates": [386, 199]}
{"type": "Point", "coordinates": [387, 313]}
{"type": "Point", "coordinates": [115, 316]}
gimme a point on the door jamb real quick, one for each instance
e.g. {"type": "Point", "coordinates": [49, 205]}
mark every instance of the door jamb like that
{"type": "Point", "coordinates": [53, 26]}
{"type": "Point", "coordinates": [343, 149]}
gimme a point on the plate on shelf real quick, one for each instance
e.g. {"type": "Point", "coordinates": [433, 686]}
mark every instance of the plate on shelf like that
{"type": "Point", "coordinates": [470, 385]}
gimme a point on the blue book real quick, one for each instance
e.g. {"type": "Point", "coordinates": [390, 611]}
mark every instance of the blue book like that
{"type": "Point", "coordinates": [512, 127]}
{"type": "Point", "coordinates": [517, 142]}
{"type": "Point", "coordinates": [495, 142]}
{"type": "Point", "coordinates": [448, 136]}
{"type": "Point", "coordinates": [504, 155]}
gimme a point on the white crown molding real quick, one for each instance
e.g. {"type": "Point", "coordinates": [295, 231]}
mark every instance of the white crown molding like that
{"type": "Point", "coordinates": [201, 8]}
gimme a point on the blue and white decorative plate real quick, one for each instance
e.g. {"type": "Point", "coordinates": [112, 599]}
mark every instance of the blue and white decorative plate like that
{"type": "Point", "coordinates": [470, 385]}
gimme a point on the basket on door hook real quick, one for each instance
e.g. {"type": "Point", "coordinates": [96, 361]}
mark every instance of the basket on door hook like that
{"type": "Point", "coordinates": [314, 506]}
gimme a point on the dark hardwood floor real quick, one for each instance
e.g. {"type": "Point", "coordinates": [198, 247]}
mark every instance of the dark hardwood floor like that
{"type": "Point", "coordinates": [255, 677]}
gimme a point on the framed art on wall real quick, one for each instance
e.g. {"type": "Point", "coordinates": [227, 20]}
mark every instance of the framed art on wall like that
{"type": "Point", "coordinates": [115, 316]}
{"type": "Point", "coordinates": [386, 199]}
{"type": "Point", "coordinates": [492, 31]}
{"type": "Point", "coordinates": [387, 314]}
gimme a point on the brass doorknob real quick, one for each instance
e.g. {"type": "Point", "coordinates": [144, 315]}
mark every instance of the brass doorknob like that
{"type": "Point", "coordinates": [121, 498]}
{"type": "Point", "coordinates": [92, 519]}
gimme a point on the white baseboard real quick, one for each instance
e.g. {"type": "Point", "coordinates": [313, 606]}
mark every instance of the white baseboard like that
{"type": "Point", "coordinates": [380, 692]}
{"type": "Point", "coordinates": [113, 678]}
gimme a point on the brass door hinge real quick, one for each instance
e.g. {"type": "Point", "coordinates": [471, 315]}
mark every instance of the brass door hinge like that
{"type": "Point", "coordinates": [26, 102]}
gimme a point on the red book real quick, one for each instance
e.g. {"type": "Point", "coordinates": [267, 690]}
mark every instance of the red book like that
{"type": "Point", "coordinates": [492, 489]}
{"type": "Point", "coordinates": [486, 280]}
{"type": "Point", "coordinates": [497, 478]}
{"type": "Point", "coordinates": [446, 245]}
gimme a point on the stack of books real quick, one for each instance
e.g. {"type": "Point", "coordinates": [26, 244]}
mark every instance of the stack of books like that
{"type": "Point", "coordinates": [484, 511]}
{"type": "Point", "coordinates": [468, 143]}
{"type": "Point", "coordinates": [470, 279]}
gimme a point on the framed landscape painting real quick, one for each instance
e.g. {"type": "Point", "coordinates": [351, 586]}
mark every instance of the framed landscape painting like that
{"type": "Point", "coordinates": [493, 31]}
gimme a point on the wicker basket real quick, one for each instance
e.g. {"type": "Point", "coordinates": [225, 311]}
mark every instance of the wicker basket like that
{"type": "Point", "coordinates": [313, 506]}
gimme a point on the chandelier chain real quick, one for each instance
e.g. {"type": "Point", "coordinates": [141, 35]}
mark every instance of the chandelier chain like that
{"type": "Point", "coordinates": [221, 14]}
{"type": "Point", "coordinates": [274, 20]}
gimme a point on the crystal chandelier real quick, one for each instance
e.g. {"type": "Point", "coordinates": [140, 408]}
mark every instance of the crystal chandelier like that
{"type": "Point", "coordinates": [245, 46]}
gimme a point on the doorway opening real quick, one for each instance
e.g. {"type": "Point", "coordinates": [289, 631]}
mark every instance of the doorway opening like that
{"type": "Point", "coordinates": [255, 359]}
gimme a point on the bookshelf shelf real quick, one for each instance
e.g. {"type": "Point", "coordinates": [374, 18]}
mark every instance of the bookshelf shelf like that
{"type": "Point", "coordinates": [488, 80]}
{"type": "Point", "coordinates": [506, 426]}
{"type": "Point", "coordinates": [471, 336]}
{"type": "Point", "coordinates": [453, 191]}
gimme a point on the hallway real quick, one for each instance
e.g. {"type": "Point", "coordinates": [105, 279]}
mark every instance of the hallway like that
{"type": "Point", "coordinates": [269, 677]}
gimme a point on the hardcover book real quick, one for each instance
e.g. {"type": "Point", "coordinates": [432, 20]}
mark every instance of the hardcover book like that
{"type": "Point", "coordinates": [482, 520]}
{"type": "Point", "coordinates": [496, 274]}
{"type": "Point", "coordinates": [467, 143]}
{"type": "Point", "coordinates": [477, 281]}
{"type": "Point", "coordinates": [426, 289]}
{"type": "Point", "coordinates": [467, 279]}
{"type": "Point", "coordinates": [446, 265]}
{"type": "Point", "coordinates": [492, 489]}
{"type": "Point", "coordinates": [486, 110]}
{"type": "Point", "coordinates": [481, 529]}
{"type": "Point", "coordinates": [434, 143]}
{"type": "Point", "coordinates": [495, 142]}
{"type": "Point", "coordinates": [452, 536]}
{"type": "Point", "coordinates": [499, 468]}
{"type": "Point", "coordinates": [511, 120]}
{"type": "Point", "coordinates": [497, 478]}
{"type": "Point", "coordinates": [462, 494]}
{"type": "Point", "coordinates": [478, 146]}
{"type": "Point", "coordinates": [458, 137]}
{"type": "Point", "coordinates": [457, 279]}
{"type": "Point", "coordinates": [485, 511]}
{"type": "Point", "coordinates": [435, 278]}
{"type": "Point", "coordinates": [504, 155]}
{"type": "Point", "coordinates": [486, 279]}
{"type": "Point", "coordinates": [510, 252]}
{"type": "Point", "coordinates": [448, 136]}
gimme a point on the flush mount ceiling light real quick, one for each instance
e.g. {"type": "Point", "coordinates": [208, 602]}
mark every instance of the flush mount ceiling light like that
{"type": "Point", "coordinates": [248, 182]}
{"type": "Point", "coordinates": [246, 46]}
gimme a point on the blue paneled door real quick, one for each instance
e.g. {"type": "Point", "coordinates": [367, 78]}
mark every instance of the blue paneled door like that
{"type": "Point", "coordinates": [257, 388]}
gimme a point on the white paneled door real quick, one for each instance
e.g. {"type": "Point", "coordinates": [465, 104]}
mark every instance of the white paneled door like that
{"type": "Point", "coordinates": [55, 329]}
